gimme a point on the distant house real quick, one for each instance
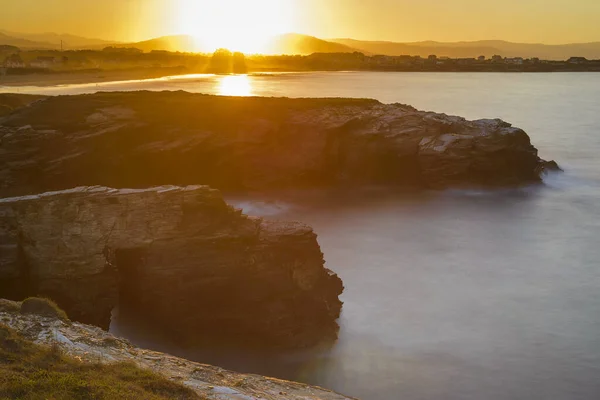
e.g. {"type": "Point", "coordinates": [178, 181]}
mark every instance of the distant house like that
{"type": "Point", "coordinates": [577, 60]}
{"type": "Point", "coordinates": [14, 61]}
{"type": "Point", "coordinates": [122, 50]}
{"type": "Point", "coordinates": [46, 62]}
{"type": "Point", "coordinates": [514, 61]}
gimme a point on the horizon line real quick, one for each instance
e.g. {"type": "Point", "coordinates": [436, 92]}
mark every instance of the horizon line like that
{"type": "Point", "coordinates": [311, 35]}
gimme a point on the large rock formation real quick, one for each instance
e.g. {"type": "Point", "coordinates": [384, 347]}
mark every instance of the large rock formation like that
{"type": "Point", "coordinates": [142, 139]}
{"type": "Point", "coordinates": [181, 257]}
{"type": "Point", "coordinates": [92, 345]}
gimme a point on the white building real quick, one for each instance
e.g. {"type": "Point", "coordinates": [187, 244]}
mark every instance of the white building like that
{"type": "Point", "coordinates": [14, 61]}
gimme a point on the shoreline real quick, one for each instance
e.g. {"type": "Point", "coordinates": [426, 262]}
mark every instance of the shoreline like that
{"type": "Point", "coordinates": [81, 78]}
{"type": "Point", "coordinates": [77, 78]}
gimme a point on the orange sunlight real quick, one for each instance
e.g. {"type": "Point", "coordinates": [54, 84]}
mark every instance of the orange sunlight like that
{"type": "Point", "coordinates": [235, 85]}
{"type": "Point", "coordinates": [237, 25]}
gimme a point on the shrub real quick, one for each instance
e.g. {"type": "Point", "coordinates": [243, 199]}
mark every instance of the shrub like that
{"type": "Point", "coordinates": [43, 307]}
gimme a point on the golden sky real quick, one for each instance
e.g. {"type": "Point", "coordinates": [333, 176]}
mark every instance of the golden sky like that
{"type": "Point", "coordinates": [540, 21]}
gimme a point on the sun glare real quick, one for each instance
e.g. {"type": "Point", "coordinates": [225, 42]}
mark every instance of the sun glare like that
{"type": "Point", "coordinates": [237, 25]}
{"type": "Point", "coordinates": [235, 85]}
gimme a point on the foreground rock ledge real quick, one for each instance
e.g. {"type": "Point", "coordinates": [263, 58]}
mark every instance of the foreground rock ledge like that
{"type": "Point", "coordinates": [180, 257]}
{"type": "Point", "coordinates": [92, 345]}
{"type": "Point", "coordinates": [143, 139]}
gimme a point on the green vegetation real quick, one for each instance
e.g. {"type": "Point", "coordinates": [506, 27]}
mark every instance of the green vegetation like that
{"type": "Point", "coordinates": [29, 371]}
{"type": "Point", "coordinates": [44, 308]}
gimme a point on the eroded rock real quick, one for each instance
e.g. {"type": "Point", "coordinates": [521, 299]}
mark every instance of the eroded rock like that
{"type": "Point", "coordinates": [143, 139]}
{"type": "Point", "coordinates": [181, 257]}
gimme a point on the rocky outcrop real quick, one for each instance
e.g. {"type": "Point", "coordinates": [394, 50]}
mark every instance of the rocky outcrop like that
{"type": "Point", "coordinates": [180, 257]}
{"type": "Point", "coordinates": [142, 139]}
{"type": "Point", "coordinates": [92, 345]}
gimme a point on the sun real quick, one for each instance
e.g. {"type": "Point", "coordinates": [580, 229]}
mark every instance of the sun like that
{"type": "Point", "coordinates": [235, 85]}
{"type": "Point", "coordinates": [237, 25]}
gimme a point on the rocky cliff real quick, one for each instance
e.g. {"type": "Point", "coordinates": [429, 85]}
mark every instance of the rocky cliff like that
{"type": "Point", "coordinates": [180, 257]}
{"type": "Point", "coordinates": [142, 139]}
{"type": "Point", "coordinates": [92, 345]}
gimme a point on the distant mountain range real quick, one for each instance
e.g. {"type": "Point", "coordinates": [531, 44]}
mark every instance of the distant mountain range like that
{"type": "Point", "coordinates": [183, 43]}
{"type": "Point", "coordinates": [293, 43]}
{"type": "Point", "coordinates": [23, 43]}
{"type": "Point", "coordinates": [486, 48]}
{"type": "Point", "coordinates": [49, 40]}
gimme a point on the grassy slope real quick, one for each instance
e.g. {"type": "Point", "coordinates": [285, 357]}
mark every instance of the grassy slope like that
{"type": "Point", "coordinates": [29, 371]}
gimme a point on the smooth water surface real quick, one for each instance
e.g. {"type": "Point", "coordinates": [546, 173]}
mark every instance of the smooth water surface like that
{"type": "Point", "coordinates": [456, 294]}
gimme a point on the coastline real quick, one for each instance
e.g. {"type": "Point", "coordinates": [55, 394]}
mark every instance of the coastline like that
{"type": "Point", "coordinates": [123, 75]}
{"type": "Point", "coordinates": [89, 345]}
{"type": "Point", "coordinates": [96, 76]}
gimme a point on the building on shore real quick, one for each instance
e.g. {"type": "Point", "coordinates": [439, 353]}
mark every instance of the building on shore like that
{"type": "Point", "coordinates": [514, 60]}
{"type": "Point", "coordinates": [46, 62]}
{"type": "Point", "coordinates": [14, 61]}
{"type": "Point", "coordinates": [577, 60]}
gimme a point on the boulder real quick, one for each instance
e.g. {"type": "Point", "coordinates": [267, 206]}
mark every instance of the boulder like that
{"type": "Point", "coordinates": [179, 257]}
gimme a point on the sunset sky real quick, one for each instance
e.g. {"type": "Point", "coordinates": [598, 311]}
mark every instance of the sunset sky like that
{"type": "Point", "coordinates": [545, 21]}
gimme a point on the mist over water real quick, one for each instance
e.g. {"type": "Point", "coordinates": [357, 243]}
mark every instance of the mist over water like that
{"type": "Point", "coordinates": [455, 294]}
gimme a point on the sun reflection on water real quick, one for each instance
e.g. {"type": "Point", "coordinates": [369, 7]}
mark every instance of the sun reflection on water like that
{"type": "Point", "coordinates": [235, 85]}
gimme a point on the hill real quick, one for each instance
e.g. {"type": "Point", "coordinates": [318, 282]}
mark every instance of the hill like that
{"type": "Point", "coordinates": [291, 43]}
{"type": "Point", "coordinates": [486, 48]}
{"type": "Point", "coordinates": [294, 43]}
{"type": "Point", "coordinates": [183, 43]}
{"type": "Point", "coordinates": [51, 39]}
{"type": "Point", "coordinates": [24, 43]}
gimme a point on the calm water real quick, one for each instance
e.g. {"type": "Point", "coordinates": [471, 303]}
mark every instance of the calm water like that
{"type": "Point", "coordinates": [451, 295]}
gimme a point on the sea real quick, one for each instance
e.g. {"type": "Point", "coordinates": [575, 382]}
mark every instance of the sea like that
{"type": "Point", "coordinates": [454, 294]}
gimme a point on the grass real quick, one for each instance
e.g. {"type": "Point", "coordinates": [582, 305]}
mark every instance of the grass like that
{"type": "Point", "coordinates": [43, 307]}
{"type": "Point", "coordinates": [31, 372]}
